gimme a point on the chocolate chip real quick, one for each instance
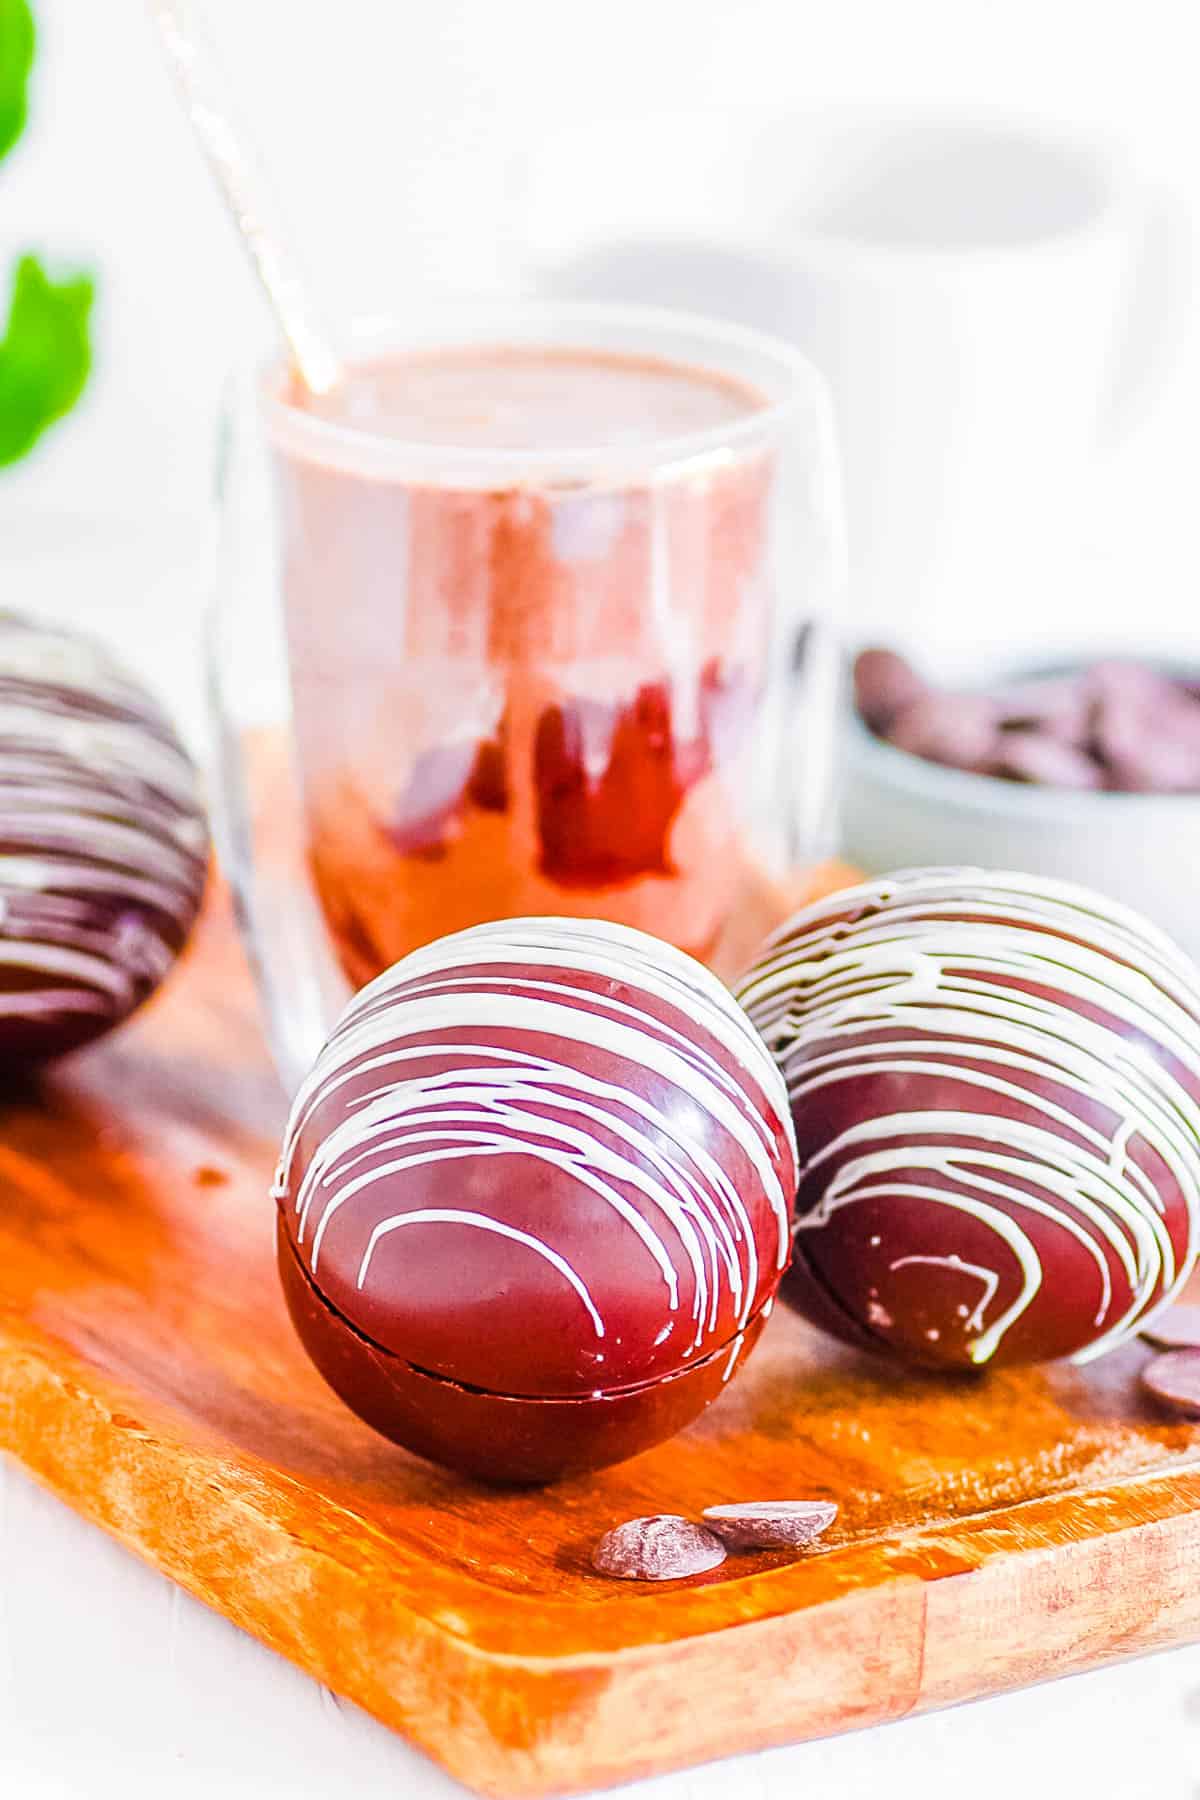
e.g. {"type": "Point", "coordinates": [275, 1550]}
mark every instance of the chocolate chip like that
{"type": "Point", "coordinates": [1030, 756]}
{"type": "Point", "coordinates": [1130, 683]}
{"type": "Point", "coordinates": [771, 1524]}
{"type": "Point", "coordinates": [1149, 747]}
{"type": "Point", "coordinates": [1120, 725]}
{"type": "Point", "coordinates": [957, 729]}
{"type": "Point", "coordinates": [884, 685]}
{"type": "Point", "coordinates": [1060, 706]}
{"type": "Point", "coordinates": [1173, 1379]}
{"type": "Point", "coordinates": [207, 1175]}
{"type": "Point", "coordinates": [1177, 1328]}
{"type": "Point", "coordinates": [663, 1547]}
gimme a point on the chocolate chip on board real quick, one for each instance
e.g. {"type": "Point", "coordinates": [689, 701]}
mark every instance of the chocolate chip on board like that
{"type": "Point", "coordinates": [663, 1547]}
{"type": "Point", "coordinates": [1173, 1380]}
{"type": "Point", "coordinates": [771, 1524]}
{"type": "Point", "coordinates": [1176, 1328]}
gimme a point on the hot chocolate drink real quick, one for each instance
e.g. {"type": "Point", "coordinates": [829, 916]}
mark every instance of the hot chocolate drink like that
{"type": "Point", "coordinates": [530, 695]}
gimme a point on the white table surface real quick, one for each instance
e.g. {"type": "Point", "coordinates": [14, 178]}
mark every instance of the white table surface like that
{"type": "Point", "coordinates": [114, 1683]}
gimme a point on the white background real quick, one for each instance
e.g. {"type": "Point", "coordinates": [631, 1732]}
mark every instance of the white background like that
{"type": "Point", "coordinates": [393, 128]}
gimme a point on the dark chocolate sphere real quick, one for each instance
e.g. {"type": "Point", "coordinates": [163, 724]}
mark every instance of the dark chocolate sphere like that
{"type": "Point", "coordinates": [535, 1197]}
{"type": "Point", "coordinates": [103, 843]}
{"type": "Point", "coordinates": [995, 1083]}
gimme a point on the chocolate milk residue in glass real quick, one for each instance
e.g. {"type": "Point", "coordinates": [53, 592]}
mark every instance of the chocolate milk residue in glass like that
{"type": "Point", "coordinates": [534, 696]}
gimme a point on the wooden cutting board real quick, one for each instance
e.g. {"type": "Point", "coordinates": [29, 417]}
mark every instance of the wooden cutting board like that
{"type": "Point", "coordinates": [993, 1531]}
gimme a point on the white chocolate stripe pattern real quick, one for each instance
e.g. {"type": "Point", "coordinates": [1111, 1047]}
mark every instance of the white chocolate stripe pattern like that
{"type": "Point", "coordinates": [103, 845]}
{"type": "Point", "coordinates": [843, 990]}
{"type": "Point", "coordinates": [430, 1215]}
{"type": "Point", "coordinates": [986, 1276]}
{"type": "Point", "coordinates": [472, 999]}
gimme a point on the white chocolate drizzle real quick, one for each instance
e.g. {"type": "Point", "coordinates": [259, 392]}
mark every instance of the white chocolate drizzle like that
{"type": "Point", "coordinates": [653, 1155]}
{"type": "Point", "coordinates": [910, 976]}
{"type": "Point", "coordinates": [989, 1278]}
{"type": "Point", "coordinates": [103, 844]}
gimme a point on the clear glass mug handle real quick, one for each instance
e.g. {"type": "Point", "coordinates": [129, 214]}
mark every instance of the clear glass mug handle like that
{"type": "Point", "coordinates": [809, 646]}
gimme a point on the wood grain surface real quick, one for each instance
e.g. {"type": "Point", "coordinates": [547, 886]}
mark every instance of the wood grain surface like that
{"type": "Point", "coordinates": [994, 1530]}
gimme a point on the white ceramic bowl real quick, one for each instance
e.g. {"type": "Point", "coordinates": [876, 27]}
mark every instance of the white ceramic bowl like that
{"type": "Point", "coordinates": [899, 811]}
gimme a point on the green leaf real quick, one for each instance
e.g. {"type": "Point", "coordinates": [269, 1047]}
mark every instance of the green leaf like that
{"type": "Point", "coordinates": [45, 355]}
{"type": "Point", "coordinates": [16, 60]}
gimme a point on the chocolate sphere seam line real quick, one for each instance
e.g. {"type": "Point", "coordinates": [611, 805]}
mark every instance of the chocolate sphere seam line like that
{"type": "Point", "coordinates": [730, 1350]}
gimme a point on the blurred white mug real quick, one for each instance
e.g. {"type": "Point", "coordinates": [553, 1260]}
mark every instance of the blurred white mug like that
{"type": "Point", "coordinates": [965, 286]}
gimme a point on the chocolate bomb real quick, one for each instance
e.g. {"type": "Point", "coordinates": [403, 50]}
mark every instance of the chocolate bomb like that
{"type": "Point", "coordinates": [535, 1197]}
{"type": "Point", "coordinates": [103, 843]}
{"type": "Point", "coordinates": [995, 1082]}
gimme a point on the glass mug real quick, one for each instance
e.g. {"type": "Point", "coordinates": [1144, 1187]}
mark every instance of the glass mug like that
{"type": "Point", "coordinates": [454, 680]}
